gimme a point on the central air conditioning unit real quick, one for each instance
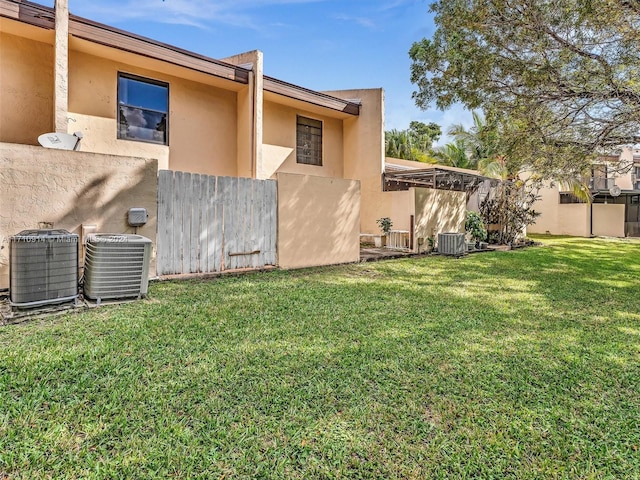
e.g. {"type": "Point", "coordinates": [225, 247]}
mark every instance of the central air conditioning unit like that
{"type": "Point", "coordinates": [116, 266]}
{"type": "Point", "coordinates": [451, 244]}
{"type": "Point", "coordinates": [43, 268]}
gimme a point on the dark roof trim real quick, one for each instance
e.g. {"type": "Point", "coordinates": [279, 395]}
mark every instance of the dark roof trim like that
{"type": "Point", "coordinates": [119, 39]}
{"type": "Point", "coordinates": [28, 12]}
{"type": "Point", "coordinates": [290, 90]}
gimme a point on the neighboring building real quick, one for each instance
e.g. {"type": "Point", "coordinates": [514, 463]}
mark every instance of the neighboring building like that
{"type": "Point", "coordinates": [614, 211]}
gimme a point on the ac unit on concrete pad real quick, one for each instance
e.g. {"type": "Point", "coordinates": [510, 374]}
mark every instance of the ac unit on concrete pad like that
{"type": "Point", "coordinates": [43, 268]}
{"type": "Point", "coordinates": [116, 266]}
{"type": "Point", "coordinates": [451, 244]}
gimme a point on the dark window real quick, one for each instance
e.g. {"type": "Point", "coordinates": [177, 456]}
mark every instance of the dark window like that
{"type": "Point", "coordinates": [570, 198]}
{"type": "Point", "coordinates": [309, 141]}
{"type": "Point", "coordinates": [143, 106]}
{"type": "Point", "coordinates": [599, 180]}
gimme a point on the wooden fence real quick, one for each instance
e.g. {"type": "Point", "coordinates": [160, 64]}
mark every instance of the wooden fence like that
{"type": "Point", "coordinates": [211, 224]}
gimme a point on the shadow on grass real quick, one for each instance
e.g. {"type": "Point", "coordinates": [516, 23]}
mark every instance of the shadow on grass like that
{"type": "Point", "coordinates": [520, 364]}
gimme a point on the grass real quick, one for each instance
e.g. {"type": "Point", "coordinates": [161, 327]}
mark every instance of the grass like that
{"type": "Point", "coordinates": [522, 364]}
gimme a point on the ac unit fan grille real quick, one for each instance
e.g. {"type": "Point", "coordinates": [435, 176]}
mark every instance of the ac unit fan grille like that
{"type": "Point", "coordinates": [116, 266]}
{"type": "Point", "coordinates": [43, 267]}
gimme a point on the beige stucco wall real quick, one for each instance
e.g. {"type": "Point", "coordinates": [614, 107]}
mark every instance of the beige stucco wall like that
{"type": "Point", "coordinates": [318, 220]}
{"type": "Point", "coordinates": [438, 211]}
{"type": "Point", "coordinates": [608, 220]}
{"type": "Point", "coordinates": [279, 144]}
{"type": "Point", "coordinates": [623, 178]}
{"type": "Point", "coordinates": [26, 89]}
{"type": "Point", "coordinates": [202, 118]}
{"type": "Point", "coordinates": [364, 154]}
{"type": "Point", "coordinates": [250, 106]}
{"type": "Point", "coordinates": [561, 219]}
{"type": "Point", "coordinates": [573, 219]}
{"type": "Point", "coordinates": [69, 189]}
{"type": "Point", "coordinates": [402, 206]}
{"type": "Point", "coordinates": [547, 205]}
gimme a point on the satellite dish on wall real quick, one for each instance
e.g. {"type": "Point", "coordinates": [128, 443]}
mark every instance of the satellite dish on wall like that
{"type": "Point", "coordinates": [615, 191]}
{"type": "Point", "coordinates": [60, 141]}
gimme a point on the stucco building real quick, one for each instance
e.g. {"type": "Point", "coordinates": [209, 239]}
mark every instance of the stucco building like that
{"type": "Point", "coordinates": [615, 208]}
{"type": "Point", "coordinates": [144, 107]}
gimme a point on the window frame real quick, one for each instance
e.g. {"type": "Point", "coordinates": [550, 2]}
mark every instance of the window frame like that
{"type": "Point", "coordinates": [568, 198]}
{"type": "Point", "coordinates": [299, 157]}
{"type": "Point", "coordinates": [150, 81]}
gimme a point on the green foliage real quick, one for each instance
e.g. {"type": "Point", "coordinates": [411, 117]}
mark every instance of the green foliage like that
{"type": "Point", "coordinates": [563, 78]}
{"type": "Point", "coordinates": [413, 143]}
{"type": "Point", "coordinates": [385, 224]}
{"type": "Point", "coordinates": [509, 209]}
{"type": "Point", "coordinates": [474, 226]}
{"type": "Point", "coordinates": [489, 366]}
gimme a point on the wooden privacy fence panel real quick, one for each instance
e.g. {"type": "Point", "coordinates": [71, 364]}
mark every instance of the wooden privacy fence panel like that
{"type": "Point", "coordinates": [211, 224]}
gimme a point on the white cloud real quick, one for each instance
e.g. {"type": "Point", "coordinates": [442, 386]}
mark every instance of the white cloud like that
{"type": "Point", "coordinates": [362, 21]}
{"type": "Point", "coordinates": [196, 13]}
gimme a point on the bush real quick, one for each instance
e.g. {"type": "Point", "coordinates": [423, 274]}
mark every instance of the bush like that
{"type": "Point", "coordinates": [474, 226]}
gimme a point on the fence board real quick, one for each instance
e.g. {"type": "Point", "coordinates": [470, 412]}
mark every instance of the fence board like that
{"type": "Point", "coordinates": [194, 215]}
{"type": "Point", "coordinates": [205, 205]}
{"type": "Point", "coordinates": [176, 261]}
{"type": "Point", "coordinates": [270, 228]}
{"type": "Point", "coordinates": [210, 224]}
{"type": "Point", "coordinates": [164, 240]}
{"type": "Point", "coordinates": [216, 227]}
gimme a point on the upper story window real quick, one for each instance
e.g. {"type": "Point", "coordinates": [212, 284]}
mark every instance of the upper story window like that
{"type": "Point", "coordinates": [143, 107]}
{"type": "Point", "coordinates": [309, 141]}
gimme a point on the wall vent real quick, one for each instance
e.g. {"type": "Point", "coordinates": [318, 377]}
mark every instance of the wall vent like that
{"type": "Point", "coordinates": [451, 244]}
{"type": "Point", "coordinates": [43, 268]}
{"type": "Point", "coordinates": [116, 266]}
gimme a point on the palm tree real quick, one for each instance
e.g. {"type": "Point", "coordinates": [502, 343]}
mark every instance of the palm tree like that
{"type": "Point", "coordinates": [413, 143]}
{"type": "Point", "coordinates": [455, 154]}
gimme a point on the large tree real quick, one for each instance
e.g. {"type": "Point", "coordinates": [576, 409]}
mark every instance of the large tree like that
{"type": "Point", "coordinates": [563, 77]}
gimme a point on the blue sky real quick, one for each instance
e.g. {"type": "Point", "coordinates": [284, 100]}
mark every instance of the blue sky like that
{"type": "Point", "coordinates": [317, 44]}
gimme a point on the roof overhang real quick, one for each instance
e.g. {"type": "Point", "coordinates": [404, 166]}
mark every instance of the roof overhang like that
{"type": "Point", "coordinates": [82, 28]}
{"type": "Point", "coordinates": [300, 96]}
{"type": "Point", "coordinates": [399, 177]}
{"type": "Point", "coordinates": [88, 31]}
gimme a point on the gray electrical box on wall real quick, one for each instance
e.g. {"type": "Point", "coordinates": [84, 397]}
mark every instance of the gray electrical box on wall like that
{"type": "Point", "coordinates": [137, 217]}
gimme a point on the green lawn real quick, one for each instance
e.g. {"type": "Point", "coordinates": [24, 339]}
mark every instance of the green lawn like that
{"type": "Point", "coordinates": [522, 364]}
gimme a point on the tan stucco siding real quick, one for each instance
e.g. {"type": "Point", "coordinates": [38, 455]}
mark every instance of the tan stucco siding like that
{"type": "Point", "coordinates": [69, 189]}
{"type": "Point", "coordinates": [26, 89]}
{"type": "Point", "coordinates": [608, 220]}
{"type": "Point", "coordinates": [402, 207]}
{"type": "Point", "coordinates": [279, 144]}
{"type": "Point", "coordinates": [560, 218]}
{"type": "Point", "coordinates": [573, 219]}
{"type": "Point", "coordinates": [318, 221]}
{"type": "Point", "coordinates": [364, 153]}
{"type": "Point", "coordinates": [439, 211]}
{"type": "Point", "coordinates": [547, 205]}
{"type": "Point", "coordinates": [202, 118]}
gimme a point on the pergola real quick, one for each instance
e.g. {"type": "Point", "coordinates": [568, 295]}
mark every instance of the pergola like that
{"type": "Point", "coordinates": [399, 177]}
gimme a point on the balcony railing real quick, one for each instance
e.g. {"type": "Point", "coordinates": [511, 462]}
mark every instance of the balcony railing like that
{"type": "Point", "coordinates": [601, 183]}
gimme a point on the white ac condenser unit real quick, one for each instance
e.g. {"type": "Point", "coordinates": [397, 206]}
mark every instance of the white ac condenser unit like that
{"type": "Point", "coordinates": [43, 268]}
{"type": "Point", "coordinates": [451, 244]}
{"type": "Point", "coordinates": [116, 266]}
